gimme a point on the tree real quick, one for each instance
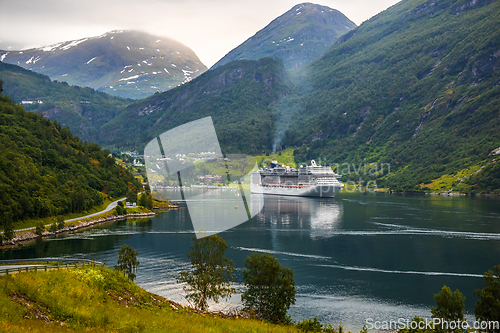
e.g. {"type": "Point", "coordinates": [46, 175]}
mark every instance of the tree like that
{"type": "Point", "coordinates": [119, 210]}
{"type": "Point", "coordinates": [131, 196]}
{"type": "Point", "coordinates": [449, 306]}
{"type": "Point", "coordinates": [40, 228]}
{"type": "Point", "coordinates": [270, 287]}
{"type": "Point", "coordinates": [8, 228]}
{"type": "Point", "coordinates": [488, 306]}
{"type": "Point", "coordinates": [60, 222]}
{"type": "Point", "coordinates": [146, 201]}
{"type": "Point", "coordinates": [127, 261]}
{"type": "Point", "coordinates": [211, 276]}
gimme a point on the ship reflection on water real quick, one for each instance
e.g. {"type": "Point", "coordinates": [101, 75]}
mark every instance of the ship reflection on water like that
{"type": "Point", "coordinates": [321, 215]}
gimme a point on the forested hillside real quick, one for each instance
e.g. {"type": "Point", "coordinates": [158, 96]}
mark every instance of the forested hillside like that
{"type": "Point", "coordinates": [83, 110]}
{"type": "Point", "coordinates": [46, 171]}
{"type": "Point", "coordinates": [240, 96]}
{"type": "Point", "coordinates": [417, 87]}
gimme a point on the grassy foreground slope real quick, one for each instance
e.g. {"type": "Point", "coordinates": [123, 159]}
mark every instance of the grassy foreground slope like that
{"type": "Point", "coordinates": [101, 300]}
{"type": "Point", "coordinates": [416, 86]}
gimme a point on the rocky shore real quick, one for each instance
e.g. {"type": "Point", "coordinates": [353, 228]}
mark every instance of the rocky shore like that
{"type": "Point", "coordinates": [26, 236]}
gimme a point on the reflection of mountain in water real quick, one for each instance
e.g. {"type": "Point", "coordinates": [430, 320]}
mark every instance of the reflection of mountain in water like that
{"type": "Point", "coordinates": [319, 214]}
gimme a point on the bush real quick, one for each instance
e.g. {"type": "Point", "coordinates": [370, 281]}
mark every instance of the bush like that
{"type": "Point", "coordinates": [310, 325]}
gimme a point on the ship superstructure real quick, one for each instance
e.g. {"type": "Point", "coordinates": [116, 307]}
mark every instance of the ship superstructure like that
{"type": "Point", "coordinates": [309, 181]}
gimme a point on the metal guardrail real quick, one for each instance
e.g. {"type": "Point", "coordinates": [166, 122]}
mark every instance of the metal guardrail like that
{"type": "Point", "coordinates": [66, 263]}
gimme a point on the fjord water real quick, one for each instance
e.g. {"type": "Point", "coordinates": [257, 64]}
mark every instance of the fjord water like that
{"type": "Point", "coordinates": [354, 257]}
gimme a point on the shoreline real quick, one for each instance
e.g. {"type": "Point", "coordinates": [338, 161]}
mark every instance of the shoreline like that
{"type": "Point", "coordinates": [26, 236]}
{"type": "Point", "coordinates": [445, 193]}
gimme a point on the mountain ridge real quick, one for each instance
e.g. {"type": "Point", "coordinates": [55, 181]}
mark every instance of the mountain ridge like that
{"type": "Point", "coordinates": [298, 36]}
{"type": "Point", "coordinates": [124, 63]}
{"type": "Point", "coordinates": [416, 87]}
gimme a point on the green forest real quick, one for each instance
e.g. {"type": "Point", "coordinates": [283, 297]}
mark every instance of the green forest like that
{"type": "Point", "coordinates": [82, 109]}
{"type": "Point", "coordinates": [46, 171]}
{"type": "Point", "coordinates": [416, 88]}
{"type": "Point", "coordinates": [240, 97]}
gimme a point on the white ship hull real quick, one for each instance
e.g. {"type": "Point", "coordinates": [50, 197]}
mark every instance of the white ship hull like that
{"type": "Point", "coordinates": [322, 191]}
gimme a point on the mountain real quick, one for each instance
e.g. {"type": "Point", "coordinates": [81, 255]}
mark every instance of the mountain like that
{"type": "Point", "coordinates": [83, 110]}
{"type": "Point", "coordinates": [46, 171]}
{"type": "Point", "coordinates": [409, 100]}
{"type": "Point", "coordinates": [299, 36]}
{"type": "Point", "coordinates": [240, 96]}
{"type": "Point", "coordinates": [416, 87]}
{"type": "Point", "coordinates": [124, 63]}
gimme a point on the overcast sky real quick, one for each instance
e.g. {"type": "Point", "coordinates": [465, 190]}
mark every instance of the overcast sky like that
{"type": "Point", "coordinates": [211, 28]}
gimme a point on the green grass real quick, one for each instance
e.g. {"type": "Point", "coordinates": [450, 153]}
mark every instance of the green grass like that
{"type": "Point", "coordinates": [101, 300]}
{"type": "Point", "coordinates": [284, 156]}
{"type": "Point", "coordinates": [137, 210]}
{"type": "Point", "coordinates": [456, 182]}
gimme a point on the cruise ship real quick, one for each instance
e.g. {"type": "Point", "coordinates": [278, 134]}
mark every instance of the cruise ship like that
{"type": "Point", "coordinates": [310, 181]}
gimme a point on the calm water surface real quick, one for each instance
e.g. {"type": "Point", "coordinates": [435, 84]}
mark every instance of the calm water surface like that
{"type": "Point", "coordinates": [354, 257]}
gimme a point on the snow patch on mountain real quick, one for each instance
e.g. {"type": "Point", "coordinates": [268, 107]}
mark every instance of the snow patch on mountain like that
{"type": "Point", "coordinates": [50, 48]}
{"type": "Point", "coordinates": [129, 78]}
{"type": "Point", "coordinates": [73, 43]}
